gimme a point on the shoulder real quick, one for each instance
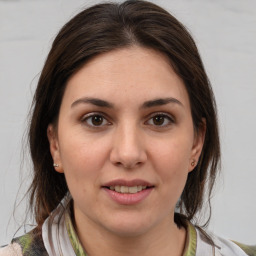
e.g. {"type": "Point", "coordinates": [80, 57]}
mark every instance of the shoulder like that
{"type": "Point", "coordinates": [228, 247]}
{"type": "Point", "coordinates": [30, 244]}
{"type": "Point", "coordinates": [250, 250]}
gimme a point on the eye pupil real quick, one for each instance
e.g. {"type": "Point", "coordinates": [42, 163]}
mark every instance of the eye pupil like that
{"type": "Point", "coordinates": [97, 120]}
{"type": "Point", "coordinates": [158, 120]}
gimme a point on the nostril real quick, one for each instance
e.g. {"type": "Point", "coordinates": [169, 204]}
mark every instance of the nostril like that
{"type": "Point", "coordinates": [118, 163]}
{"type": "Point", "coordinates": [132, 165]}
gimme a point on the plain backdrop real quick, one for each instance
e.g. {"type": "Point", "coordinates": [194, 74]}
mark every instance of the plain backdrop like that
{"type": "Point", "coordinates": [225, 32]}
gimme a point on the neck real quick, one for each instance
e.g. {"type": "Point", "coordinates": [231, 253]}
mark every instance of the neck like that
{"type": "Point", "coordinates": [164, 239]}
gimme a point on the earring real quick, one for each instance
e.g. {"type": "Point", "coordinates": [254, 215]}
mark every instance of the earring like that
{"type": "Point", "coordinates": [193, 163]}
{"type": "Point", "coordinates": [55, 165]}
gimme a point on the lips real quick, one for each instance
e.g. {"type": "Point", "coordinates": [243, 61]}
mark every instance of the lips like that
{"type": "Point", "coordinates": [126, 189]}
{"type": "Point", "coordinates": [128, 183]}
{"type": "Point", "coordinates": [126, 186]}
{"type": "Point", "coordinates": [128, 192]}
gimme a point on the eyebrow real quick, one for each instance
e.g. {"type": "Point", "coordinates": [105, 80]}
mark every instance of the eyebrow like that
{"type": "Point", "coordinates": [93, 101]}
{"type": "Point", "coordinates": [160, 102]}
{"type": "Point", "coordinates": [106, 104]}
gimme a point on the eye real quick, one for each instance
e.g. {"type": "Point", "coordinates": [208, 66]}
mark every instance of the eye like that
{"type": "Point", "coordinates": [95, 120]}
{"type": "Point", "coordinates": [161, 120]}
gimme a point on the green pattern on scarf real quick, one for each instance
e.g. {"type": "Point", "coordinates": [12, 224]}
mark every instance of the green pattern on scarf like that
{"type": "Point", "coordinates": [32, 243]}
{"type": "Point", "coordinates": [79, 250]}
{"type": "Point", "coordinates": [248, 249]}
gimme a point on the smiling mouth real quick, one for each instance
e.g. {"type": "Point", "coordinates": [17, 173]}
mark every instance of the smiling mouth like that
{"type": "Point", "coordinates": [128, 190]}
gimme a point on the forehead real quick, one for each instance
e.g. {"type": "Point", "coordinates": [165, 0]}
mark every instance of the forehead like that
{"type": "Point", "coordinates": [126, 76]}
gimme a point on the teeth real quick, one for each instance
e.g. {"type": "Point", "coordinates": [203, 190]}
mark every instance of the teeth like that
{"type": "Point", "coordinates": [125, 189]}
{"type": "Point", "coordinates": [133, 190]}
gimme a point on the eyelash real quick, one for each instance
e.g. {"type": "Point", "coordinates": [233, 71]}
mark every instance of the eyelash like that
{"type": "Point", "coordinates": [167, 118]}
{"type": "Point", "coordinates": [95, 114]}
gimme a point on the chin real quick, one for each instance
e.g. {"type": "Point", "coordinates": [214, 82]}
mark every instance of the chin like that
{"type": "Point", "coordinates": [129, 227]}
{"type": "Point", "coordinates": [128, 231]}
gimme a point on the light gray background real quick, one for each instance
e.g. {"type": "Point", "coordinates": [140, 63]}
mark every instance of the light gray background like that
{"type": "Point", "coordinates": [225, 31]}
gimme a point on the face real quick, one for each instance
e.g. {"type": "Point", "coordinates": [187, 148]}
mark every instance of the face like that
{"type": "Point", "coordinates": [125, 141]}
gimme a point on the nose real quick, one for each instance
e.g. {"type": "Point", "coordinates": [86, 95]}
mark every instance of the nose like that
{"type": "Point", "coordinates": [128, 149]}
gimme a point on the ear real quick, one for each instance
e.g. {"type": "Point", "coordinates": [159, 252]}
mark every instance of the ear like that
{"type": "Point", "coordinates": [197, 145]}
{"type": "Point", "coordinates": [54, 147]}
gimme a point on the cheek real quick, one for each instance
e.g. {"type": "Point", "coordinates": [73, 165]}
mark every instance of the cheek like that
{"type": "Point", "coordinates": [80, 149]}
{"type": "Point", "coordinates": [172, 165]}
{"type": "Point", "coordinates": [82, 160]}
{"type": "Point", "coordinates": [173, 155]}
{"type": "Point", "coordinates": [81, 171]}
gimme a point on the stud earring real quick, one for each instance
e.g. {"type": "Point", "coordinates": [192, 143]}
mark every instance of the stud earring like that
{"type": "Point", "coordinates": [55, 165]}
{"type": "Point", "coordinates": [193, 163]}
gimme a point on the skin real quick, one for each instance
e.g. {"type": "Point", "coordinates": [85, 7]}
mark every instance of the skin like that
{"type": "Point", "coordinates": [129, 141]}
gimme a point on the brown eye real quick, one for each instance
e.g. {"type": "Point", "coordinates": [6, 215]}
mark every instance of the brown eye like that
{"type": "Point", "coordinates": [158, 120]}
{"type": "Point", "coordinates": [161, 120]}
{"type": "Point", "coordinates": [95, 120]}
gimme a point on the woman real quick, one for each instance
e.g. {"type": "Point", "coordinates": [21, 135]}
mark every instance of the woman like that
{"type": "Point", "coordinates": [124, 140]}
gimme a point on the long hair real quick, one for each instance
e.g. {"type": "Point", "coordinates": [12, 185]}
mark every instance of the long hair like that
{"type": "Point", "coordinates": [104, 28]}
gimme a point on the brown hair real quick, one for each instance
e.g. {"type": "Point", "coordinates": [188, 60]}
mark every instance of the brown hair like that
{"type": "Point", "coordinates": [103, 28]}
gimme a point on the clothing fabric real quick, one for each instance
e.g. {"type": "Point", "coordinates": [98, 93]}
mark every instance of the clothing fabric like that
{"type": "Point", "coordinates": [58, 237]}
